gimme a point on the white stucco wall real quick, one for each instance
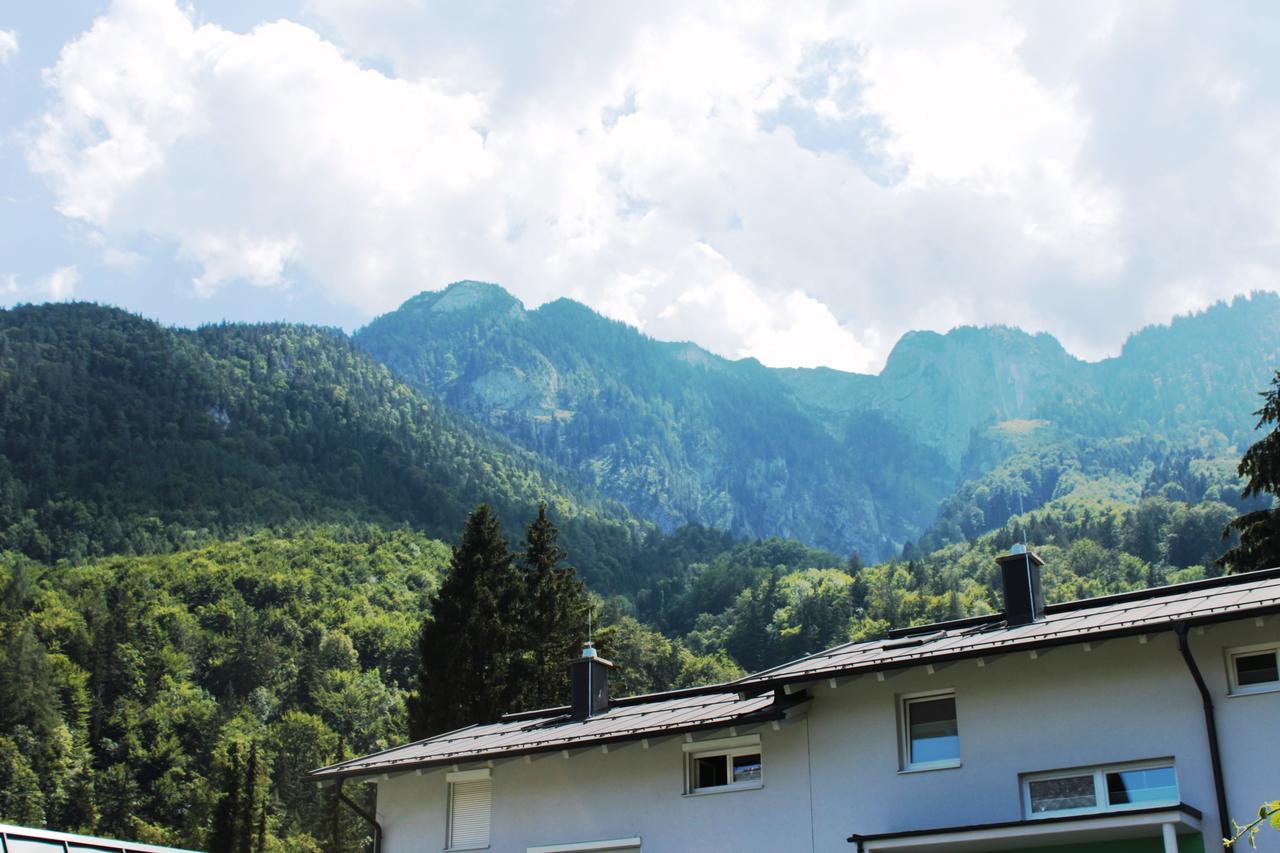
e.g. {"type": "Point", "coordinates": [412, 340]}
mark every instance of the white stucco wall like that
{"type": "Point", "coordinates": [837, 770]}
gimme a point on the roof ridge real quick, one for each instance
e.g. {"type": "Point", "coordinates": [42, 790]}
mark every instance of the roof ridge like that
{"type": "Point", "coordinates": [1226, 580]}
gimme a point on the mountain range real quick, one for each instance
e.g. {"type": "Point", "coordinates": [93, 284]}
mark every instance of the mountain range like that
{"type": "Point", "coordinates": [845, 461]}
{"type": "Point", "coordinates": [120, 435]}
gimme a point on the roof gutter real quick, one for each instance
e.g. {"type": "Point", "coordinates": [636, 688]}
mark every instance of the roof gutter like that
{"type": "Point", "coordinates": [1210, 725]}
{"type": "Point", "coordinates": [371, 819]}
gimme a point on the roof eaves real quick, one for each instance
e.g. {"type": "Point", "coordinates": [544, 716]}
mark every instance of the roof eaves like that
{"type": "Point", "coordinates": [776, 711]}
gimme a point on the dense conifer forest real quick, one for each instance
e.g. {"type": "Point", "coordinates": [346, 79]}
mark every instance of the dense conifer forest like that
{"type": "Point", "coordinates": [219, 548]}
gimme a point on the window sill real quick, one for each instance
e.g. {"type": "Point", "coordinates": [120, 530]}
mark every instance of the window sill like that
{"type": "Point", "coordinates": [1255, 690]}
{"type": "Point", "coordinates": [936, 765]}
{"type": "Point", "coordinates": [1106, 810]}
{"type": "Point", "coordinates": [724, 789]}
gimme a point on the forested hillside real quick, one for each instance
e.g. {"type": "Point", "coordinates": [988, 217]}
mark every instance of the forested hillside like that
{"type": "Point", "coordinates": [141, 695]}
{"type": "Point", "coordinates": [120, 436]}
{"type": "Point", "coordinates": [839, 460]}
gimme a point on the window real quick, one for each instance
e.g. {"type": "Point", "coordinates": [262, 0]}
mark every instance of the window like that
{"type": "Point", "coordinates": [470, 800]}
{"type": "Point", "coordinates": [1100, 789]}
{"type": "Point", "coordinates": [1254, 669]}
{"type": "Point", "coordinates": [930, 734]}
{"type": "Point", "coordinates": [723, 765]}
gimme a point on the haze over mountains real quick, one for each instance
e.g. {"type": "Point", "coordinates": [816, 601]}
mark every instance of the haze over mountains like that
{"type": "Point", "coordinates": [839, 460]}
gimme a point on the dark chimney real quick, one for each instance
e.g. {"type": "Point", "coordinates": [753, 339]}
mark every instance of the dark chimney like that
{"type": "Point", "coordinates": [1023, 598]}
{"type": "Point", "coordinates": [589, 681]}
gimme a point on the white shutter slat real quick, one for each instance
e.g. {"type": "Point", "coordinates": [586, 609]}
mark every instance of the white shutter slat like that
{"type": "Point", "coordinates": [469, 813]}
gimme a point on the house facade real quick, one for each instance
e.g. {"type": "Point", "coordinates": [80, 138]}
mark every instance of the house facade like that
{"type": "Point", "coordinates": [1138, 722]}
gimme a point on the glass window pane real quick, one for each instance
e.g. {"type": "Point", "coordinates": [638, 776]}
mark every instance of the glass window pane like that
{"type": "Point", "coordinates": [746, 768]}
{"type": "Point", "coordinates": [1072, 792]}
{"type": "Point", "coordinates": [932, 729]}
{"type": "Point", "coordinates": [1154, 785]}
{"type": "Point", "coordinates": [710, 771]}
{"type": "Point", "coordinates": [1257, 668]}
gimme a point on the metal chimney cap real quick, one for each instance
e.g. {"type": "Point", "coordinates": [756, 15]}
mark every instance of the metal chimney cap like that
{"type": "Point", "coordinates": [589, 649]}
{"type": "Point", "coordinates": [1018, 548]}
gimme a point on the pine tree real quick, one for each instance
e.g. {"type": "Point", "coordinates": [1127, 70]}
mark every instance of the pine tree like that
{"type": "Point", "coordinates": [1259, 531]}
{"type": "Point", "coordinates": [226, 817]}
{"type": "Point", "coordinates": [554, 617]}
{"type": "Point", "coordinates": [245, 823]}
{"type": "Point", "coordinates": [467, 644]}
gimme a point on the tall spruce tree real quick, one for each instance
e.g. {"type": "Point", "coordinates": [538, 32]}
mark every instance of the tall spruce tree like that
{"type": "Point", "coordinates": [1259, 530]}
{"type": "Point", "coordinates": [245, 824]}
{"type": "Point", "coordinates": [467, 644]}
{"type": "Point", "coordinates": [226, 815]}
{"type": "Point", "coordinates": [554, 617]}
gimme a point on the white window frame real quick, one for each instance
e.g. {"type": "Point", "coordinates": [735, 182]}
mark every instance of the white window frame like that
{"type": "Point", "coordinates": [1099, 773]}
{"type": "Point", "coordinates": [462, 777]}
{"type": "Point", "coordinates": [904, 731]}
{"type": "Point", "coordinates": [728, 749]}
{"type": "Point", "coordinates": [1236, 688]}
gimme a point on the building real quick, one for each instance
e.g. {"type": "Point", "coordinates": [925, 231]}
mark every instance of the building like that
{"type": "Point", "coordinates": [1135, 722]}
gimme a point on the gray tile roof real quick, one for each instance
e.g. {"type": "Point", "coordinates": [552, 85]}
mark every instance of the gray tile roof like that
{"type": "Point", "coordinates": [1145, 611]}
{"type": "Point", "coordinates": [756, 698]}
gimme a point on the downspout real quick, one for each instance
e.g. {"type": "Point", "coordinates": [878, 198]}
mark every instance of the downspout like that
{"type": "Point", "coordinates": [372, 820]}
{"type": "Point", "coordinates": [1211, 728]}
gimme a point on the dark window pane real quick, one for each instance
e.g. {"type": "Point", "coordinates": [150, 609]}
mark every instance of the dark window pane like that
{"type": "Point", "coordinates": [932, 729]}
{"type": "Point", "coordinates": [1256, 669]}
{"type": "Point", "coordinates": [746, 768]}
{"type": "Point", "coordinates": [1156, 785]}
{"type": "Point", "coordinates": [710, 771]}
{"type": "Point", "coordinates": [1054, 795]}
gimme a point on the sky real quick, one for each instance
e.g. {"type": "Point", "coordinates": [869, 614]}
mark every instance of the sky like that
{"type": "Point", "coordinates": [797, 182]}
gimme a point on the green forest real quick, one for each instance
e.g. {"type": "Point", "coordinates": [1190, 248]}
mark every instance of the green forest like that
{"type": "Point", "coordinates": [220, 550]}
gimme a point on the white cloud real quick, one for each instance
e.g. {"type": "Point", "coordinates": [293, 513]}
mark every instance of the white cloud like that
{"type": "Point", "coordinates": [123, 259]}
{"type": "Point", "coordinates": [58, 285]}
{"type": "Point", "coordinates": [8, 45]}
{"type": "Point", "coordinates": [710, 303]}
{"type": "Point", "coordinates": [770, 180]}
{"type": "Point", "coordinates": [8, 284]}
